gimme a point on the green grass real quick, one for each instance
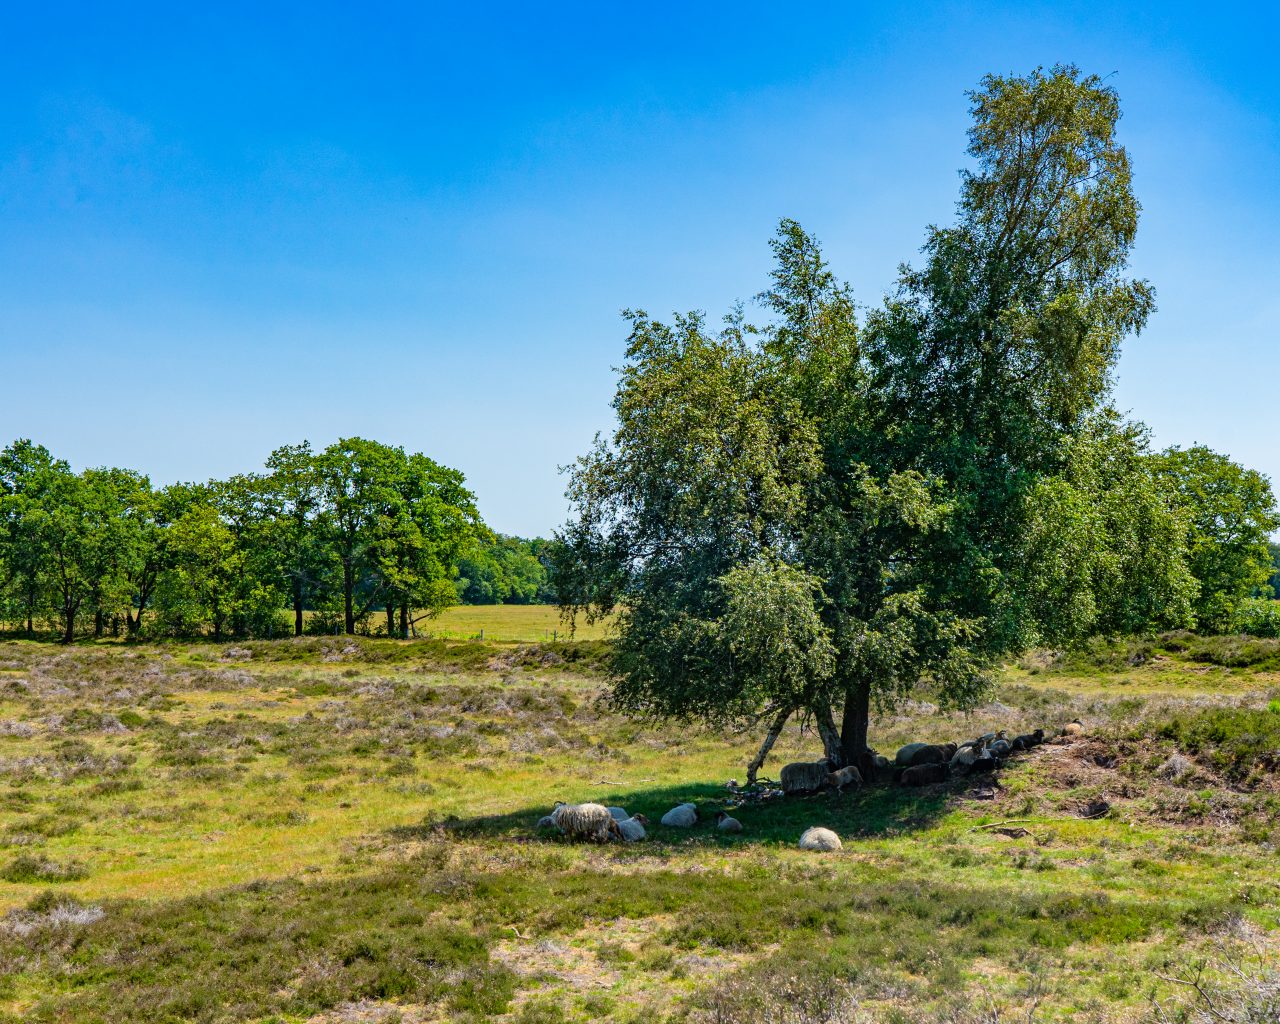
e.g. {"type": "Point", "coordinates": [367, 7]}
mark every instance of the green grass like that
{"type": "Point", "coordinates": [271, 831]}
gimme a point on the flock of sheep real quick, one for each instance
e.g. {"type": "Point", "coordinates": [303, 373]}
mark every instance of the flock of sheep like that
{"type": "Point", "coordinates": [916, 764]}
{"type": "Point", "coordinates": [601, 824]}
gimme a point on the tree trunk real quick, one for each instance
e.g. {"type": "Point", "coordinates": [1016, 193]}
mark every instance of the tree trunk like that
{"type": "Point", "coordinates": [348, 586]}
{"type": "Point", "coordinates": [775, 730]}
{"type": "Point", "coordinates": [853, 728]}
{"type": "Point", "coordinates": [404, 620]}
{"type": "Point", "coordinates": [115, 625]}
{"type": "Point", "coordinates": [831, 745]}
{"type": "Point", "coordinates": [391, 619]}
{"type": "Point", "coordinates": [69, 616]}
{"type": "Point", "coordinates": [97, 624]}
{"type": "Point", "coordinates": [297, 607]}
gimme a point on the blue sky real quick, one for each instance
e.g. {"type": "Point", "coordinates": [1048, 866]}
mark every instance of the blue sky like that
{"type": "Point", "coordinates": [229, 228]}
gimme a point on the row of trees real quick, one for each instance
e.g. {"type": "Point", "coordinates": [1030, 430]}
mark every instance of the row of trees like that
{"type": "Point", "coordinates": [357, 530]}
{"type": "Point", "coordinates": [813, 515]}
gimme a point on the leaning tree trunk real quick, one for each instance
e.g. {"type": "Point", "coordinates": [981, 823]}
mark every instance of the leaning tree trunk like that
{"type": "Point", "coordinates": [775, 730]}
{"type": "Point", "coordinates": [853, 727]}
{"type": "Point", "coordinates": [831, 745]}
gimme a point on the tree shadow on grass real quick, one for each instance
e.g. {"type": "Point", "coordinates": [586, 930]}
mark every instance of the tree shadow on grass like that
{"type": "Point", "coordinates": [867, 813]}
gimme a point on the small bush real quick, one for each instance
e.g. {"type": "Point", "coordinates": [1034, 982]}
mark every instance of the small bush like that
{"type": "Point", "coordinates": [30, 868]}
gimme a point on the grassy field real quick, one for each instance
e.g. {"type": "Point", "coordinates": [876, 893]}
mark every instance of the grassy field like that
{"type": "Point", "coordinates": [528, 623]}
{"type": "Point", "coordinates": [335, 830]}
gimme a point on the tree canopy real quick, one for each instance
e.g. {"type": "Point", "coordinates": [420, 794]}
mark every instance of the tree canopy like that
{"type": "Point", "coordinates": [356, 528]}
{"type": "Point", "coordinates": [819, 513]}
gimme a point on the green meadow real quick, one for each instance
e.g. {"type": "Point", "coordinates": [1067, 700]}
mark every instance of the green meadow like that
{"type": "Point", "coordinates": [344, 829]}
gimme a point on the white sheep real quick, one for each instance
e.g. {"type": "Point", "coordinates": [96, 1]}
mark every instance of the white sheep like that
{"type": "Point", "coordinates": [820, 839]}
{"type": "Point", "coordinates": [547, 821]}
{"type": "Point", "coordinates": [681, 816]}
{"type": "Point", "coordinates": [585, 821]}
{"type": "Point", "coordinates": [619, 813]}
{"type": "Point", "coordinates": [727, 824]}
{"type": "Point", "coordinates": [632, 829]}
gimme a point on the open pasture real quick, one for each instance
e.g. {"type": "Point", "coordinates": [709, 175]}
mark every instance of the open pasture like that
{"type": "Point", "coordinates": [338, 830]}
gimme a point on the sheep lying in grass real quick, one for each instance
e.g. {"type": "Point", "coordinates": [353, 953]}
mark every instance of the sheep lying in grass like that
{"type": "Point", "coordinates": [1029, 740]}
{"type": "Point", "coordinates": [804, 776]}
{"type": "Point", "coordinates": [632, 829]}
{"type": "Point", "coordinates": [820, 839]}
{"type": "Point", "coordinates": [925, 774]}
{"type": "Point", "coordinates": [727, 824]}
{"type": "Point", "coordinates": [681, 816]}
{"type": "Point", "coordinates": [619, 813]}
{"type": "Point", "coordinates": [927, 753]}
{"type": "Point", "coordinates": [585, 821]}
{"type": "Point", "coordinates": [547, 821]}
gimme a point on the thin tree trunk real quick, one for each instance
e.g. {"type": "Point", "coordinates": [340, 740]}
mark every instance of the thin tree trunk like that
{"type": "Point", "coordinates": [97, 624]}
{"type": "Point", "coordinates": [69, 615]}
{"type": "Point", "coordinates": [831, 746]}
{"type": "Point", "coordinates": [348, 586]}
{"type": "Point", "coordinates": [391, 619]}
{"type": "Point", "coordinates": [297, 607]}
{"type": "Point", "coordinates": [853, 728]}
{"type": "Point", "coordinates": [115, 625]}
{"type": "Point", "coordinates": [775, 730]}
{"type": "Point", "coordinates": [404, 620]}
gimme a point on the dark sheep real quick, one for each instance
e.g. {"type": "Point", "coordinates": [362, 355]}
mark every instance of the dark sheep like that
{"type": "Point", "coordinates": [1029, 740]}
{"type": "Point", "coordinates": [925, 774]}
{"type": "Point", "coordinates": [934, 753]}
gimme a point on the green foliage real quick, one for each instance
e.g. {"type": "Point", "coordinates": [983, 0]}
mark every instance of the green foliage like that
{"type": "Point", "coordinates": [895, 468]}
{"type": "Point", "coordinates": [1232, 513]}
{"type": "Point", "coordinates": [1257, 616]}
{"type": "Point", "coordinates": [505, 570]}
{"type": "Point", "coordinates": [359, 526]}
{"type": "Point", "coordinates": [1105, 548]}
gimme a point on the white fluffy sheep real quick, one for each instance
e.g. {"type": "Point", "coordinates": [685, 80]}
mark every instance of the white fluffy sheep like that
{"type": "Point", "coordinates": [727, 824]}
{"type": "Point", "coordinates": [619, 813]}
{"type": "Point", "coordinates": [585, 821]}
{"type": "Point", "coordinates": [681, 816]}
{"type": "Point", "coordinates": [820, 839]}
{"type": "Point", "coordinates": [632, 829]}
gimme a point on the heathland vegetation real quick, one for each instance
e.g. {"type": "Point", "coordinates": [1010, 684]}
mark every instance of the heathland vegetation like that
{"type": "Point", "coordinates": [905, 524]}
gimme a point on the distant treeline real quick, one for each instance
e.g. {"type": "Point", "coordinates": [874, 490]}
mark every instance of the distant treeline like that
{"type": "Point", "coordinates": [359, 537]}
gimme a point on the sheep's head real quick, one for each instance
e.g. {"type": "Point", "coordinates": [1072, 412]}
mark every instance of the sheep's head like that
{"type": "Point", "coordinates": [640, 818]}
